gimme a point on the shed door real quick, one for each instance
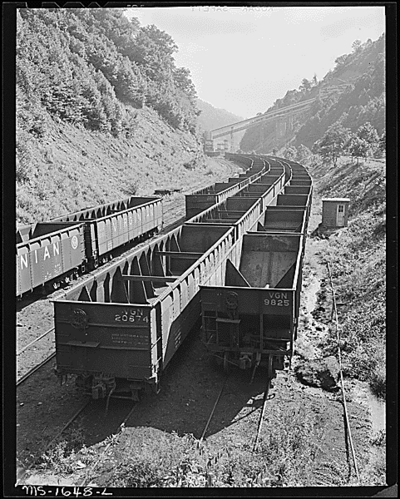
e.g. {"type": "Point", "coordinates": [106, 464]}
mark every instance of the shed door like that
{"type": "Point", "coordinates": [340, 215]}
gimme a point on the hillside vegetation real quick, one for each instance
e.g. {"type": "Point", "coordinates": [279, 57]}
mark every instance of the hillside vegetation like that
{"type": "Point", "coordinates": [102, 111]}
{"type": "Point", "coordinates": [350, 95]}
{"type": "Point", "coordinates": [357, 256]}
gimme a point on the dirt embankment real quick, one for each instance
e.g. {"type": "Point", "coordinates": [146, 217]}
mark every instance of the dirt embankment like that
{"type": "Point", "coordinates": [74, 168]}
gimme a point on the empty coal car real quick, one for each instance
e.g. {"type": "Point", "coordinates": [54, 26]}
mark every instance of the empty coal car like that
{"type": "Point", "coordinates": [118, 330]}
{"type": "Point", "coordinates": [202, 199]}
{"type": "Point", "coordinates": [251, 317]}
{"type": "Point", "coordinates": [51, 253]}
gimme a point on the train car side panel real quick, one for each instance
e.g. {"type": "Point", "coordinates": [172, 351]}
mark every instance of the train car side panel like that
{"type": "Point", "coordinates": [113, 339]}
{"type": "Point", "coordinates": [24, 281]}
{"type": "Point", "coordinates": [53, 250]}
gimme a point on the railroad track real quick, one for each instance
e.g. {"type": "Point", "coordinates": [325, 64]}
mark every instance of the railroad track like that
{"type": "Point", "coordinates": [35, 341]}
{"type": "Point", "coordinates": [261, 417]}
{"type": "Point", "coordinates": [111, 442]}
{"type": "Point", "coordinates": [26, 349]}
{"type": "Point", "coordinates": [25, 470]}
{"type": "Point", "coordinates": [34, 369]}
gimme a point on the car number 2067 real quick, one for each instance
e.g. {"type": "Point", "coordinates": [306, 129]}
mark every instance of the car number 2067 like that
{"type": "Point", "coordinates": [134, 315]}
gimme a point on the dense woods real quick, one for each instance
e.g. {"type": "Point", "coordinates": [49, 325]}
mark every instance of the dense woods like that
{"type": "Point", "coordinates": [93, 68]}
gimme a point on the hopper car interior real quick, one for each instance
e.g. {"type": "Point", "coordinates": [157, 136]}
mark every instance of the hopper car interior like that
{"type": "Point", "coordinates": [119, 329]}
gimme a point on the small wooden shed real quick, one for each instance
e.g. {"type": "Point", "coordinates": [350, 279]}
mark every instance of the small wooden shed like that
{"type": "Point", "coordinates": [335, 212]}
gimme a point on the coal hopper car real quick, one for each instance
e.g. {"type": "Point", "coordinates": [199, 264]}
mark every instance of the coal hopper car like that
{"type": "Point", "coordinates": [52, 253]}
{"type": "Point", "coordinates": [110, 226]}
{"type": "Point", "coordinates": [251, 318]}
{"type": "Point", "coordinates": [119, 329]}
{"type": "Point", "coordinates": [198, 201]}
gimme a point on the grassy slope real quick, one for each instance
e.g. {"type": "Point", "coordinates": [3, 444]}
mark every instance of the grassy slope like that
{"type": "Point", "coordinates": [74, 168]}
{"type": "Point", "coordinates": [358, 258]}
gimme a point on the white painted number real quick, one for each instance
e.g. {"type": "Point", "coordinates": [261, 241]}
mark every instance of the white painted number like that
{"type": "Point", "coordinates": [276, 303]}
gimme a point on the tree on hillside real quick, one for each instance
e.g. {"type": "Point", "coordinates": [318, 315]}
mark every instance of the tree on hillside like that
{"type": "Point", "coordinates": [356, 46]}
{"type": "Point", "coordinates": [303, 153]}
{"type": "Point", "coordinates": [305, 85]}
{"type": "Point", "coordinates": [341, 60]}
{"type": "Point", "coordinates": [382, 144]}
{"type": "Point", "coordinates": [358, 147]}
{"type": "Point", "coordinates": [368, 133]}
{"type": "Point", "coordinates": [332, 144]}
{"type": "Point", "coordinates": [315, 80]}
{"type": "Point", "coordinates": [290, 153]}
{"type": "Point", "coordinates": [364, 143]}
{"type": "Point", "coordinates": [183, 81]}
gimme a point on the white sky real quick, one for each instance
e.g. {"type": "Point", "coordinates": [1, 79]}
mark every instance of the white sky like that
{"type": "Point", "coordinates": [244, 58]}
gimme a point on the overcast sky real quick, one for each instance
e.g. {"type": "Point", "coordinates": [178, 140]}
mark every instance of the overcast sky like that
{"type": "Point", "coordinates": [244, 58]}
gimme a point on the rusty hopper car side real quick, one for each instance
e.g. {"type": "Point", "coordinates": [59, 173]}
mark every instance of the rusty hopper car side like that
{"type": "Point", "coordinates": [251, 320]}
{"type": "Point", "coordinates": [46, 251]}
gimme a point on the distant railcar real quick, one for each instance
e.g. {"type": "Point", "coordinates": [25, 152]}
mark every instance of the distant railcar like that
{"type": "Point", "coordinates": [54, 252]}
{"type": "Point", "coordinates": [46, 251]}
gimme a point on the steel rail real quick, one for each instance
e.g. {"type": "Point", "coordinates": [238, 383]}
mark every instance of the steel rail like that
{"type": "Point", "coordinates": [59, 433]}
{"type": "Point", "coordinates": [213, 410]}
{"type": "Point", "coordinates": [347, 422]}
{"type": "Point", "coordinates": [120, 429]}
{"type": "Point", "coordinates": [35, 340]}
{"type": "Point", "coordinates": [36, 368]}
{"type": "Point", "coordinates": [260, 420]}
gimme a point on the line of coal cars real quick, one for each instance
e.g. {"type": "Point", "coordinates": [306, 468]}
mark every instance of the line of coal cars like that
{"type": "Point", "coordinates": [235, 265]}
{"type": "Point", "coordinates": [54, 252]}
{"type": "Point", "coordinates": [49, 254]}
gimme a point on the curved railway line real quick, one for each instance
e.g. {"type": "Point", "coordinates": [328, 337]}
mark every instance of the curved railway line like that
{"type": "Point", "coordinates": [173, 216]}
{"type": "Point", "coordinates": [285, 221]}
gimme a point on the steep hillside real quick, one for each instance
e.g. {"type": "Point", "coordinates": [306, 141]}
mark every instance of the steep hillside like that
{"type": "Point", "coordinates": [352, 94]}
{"type": "Point", "coordinates": [72, 168]}
{"type": "Point", "coordinates": [357, 255]}
{"type": "Point", "coordinates": [103, 112]}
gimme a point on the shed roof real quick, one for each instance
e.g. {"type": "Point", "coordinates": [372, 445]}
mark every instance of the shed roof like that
{"type": "Point", "coordinates": [337, 200]}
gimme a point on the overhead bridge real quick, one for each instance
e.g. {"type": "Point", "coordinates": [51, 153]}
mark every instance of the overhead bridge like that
{"type": "Point", "coordinates": [269, 115]}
